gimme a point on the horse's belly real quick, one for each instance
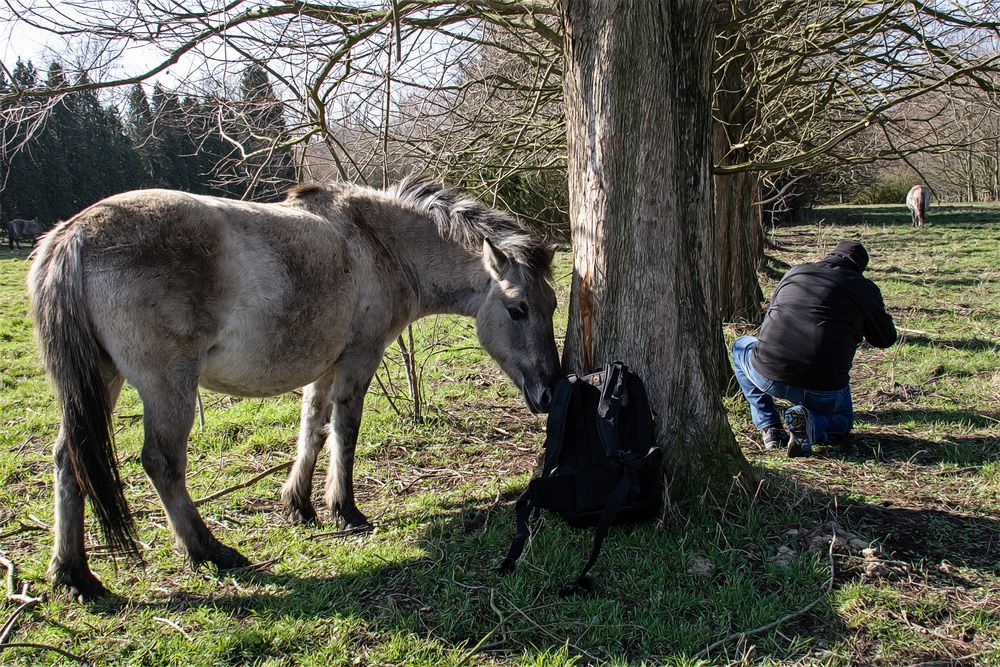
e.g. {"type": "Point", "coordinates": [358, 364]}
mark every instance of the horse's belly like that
{"type": "Point", "coordinates": [264, 366]}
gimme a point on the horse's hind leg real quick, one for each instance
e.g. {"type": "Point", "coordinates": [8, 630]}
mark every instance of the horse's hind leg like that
{"type": "Point", "coordinates": [68, 568]}
{"type": "Point", "coordinates": [296, 493]}
{"type": "Point", "coordinates": [168, 413]}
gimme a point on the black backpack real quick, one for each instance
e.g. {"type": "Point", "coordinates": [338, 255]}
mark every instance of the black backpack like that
{"type": "Point", "coordinates": [599, 465]}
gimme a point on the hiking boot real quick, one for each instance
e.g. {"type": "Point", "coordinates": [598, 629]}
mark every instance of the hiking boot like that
{"type": "Point", "coordinates": [774, 437]}
{"type": "Point", "coordinates": [798, 438]}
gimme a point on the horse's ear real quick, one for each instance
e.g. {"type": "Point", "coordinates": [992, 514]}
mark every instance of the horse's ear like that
{"type": "Point", "coordinates": [550, 253]}
{"type": "Point", "coordinates": [494, 260]}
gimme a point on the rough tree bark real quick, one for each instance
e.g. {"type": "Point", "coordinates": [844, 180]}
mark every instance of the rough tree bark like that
{"type": "Point", "coordinates": [739, 228]}
{"type": "Point", "coordinates": [741, 243]}
{"type": "Point", "coordinates": [645, 282]}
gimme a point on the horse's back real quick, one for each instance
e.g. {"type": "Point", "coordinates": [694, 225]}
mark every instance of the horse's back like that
{"type": "Point", "coordinates": [256, 294]}
{"type": "Point", "coordinates": [15, 228]}
{"type": "Point", "coordinates": [919, 197]}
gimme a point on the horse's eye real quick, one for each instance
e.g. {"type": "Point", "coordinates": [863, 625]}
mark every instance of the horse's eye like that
{"type": "Point", "coordinates": [518, 312]}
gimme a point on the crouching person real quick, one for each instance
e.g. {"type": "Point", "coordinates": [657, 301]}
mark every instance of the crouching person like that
{"type": "Point", "coordinates": [818, 316]}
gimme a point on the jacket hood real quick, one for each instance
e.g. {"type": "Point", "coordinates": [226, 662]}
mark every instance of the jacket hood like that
{"type": "Point", "coordinates": [852, 251]}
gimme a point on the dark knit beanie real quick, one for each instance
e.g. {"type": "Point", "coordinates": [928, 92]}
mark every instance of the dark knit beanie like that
{"type": "Point", "coordinates": [853, 251]}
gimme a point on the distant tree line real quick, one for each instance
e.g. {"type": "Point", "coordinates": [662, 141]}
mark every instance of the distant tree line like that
{"type": "Point", "coordinates": [54, 164]}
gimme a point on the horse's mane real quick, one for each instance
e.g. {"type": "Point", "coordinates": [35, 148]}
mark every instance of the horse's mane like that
{"type": "Point", "coordinates": [466, 220]}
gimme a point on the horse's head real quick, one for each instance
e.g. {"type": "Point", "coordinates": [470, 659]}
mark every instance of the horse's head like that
{"type": "Point", "coordinates": [514, 324]}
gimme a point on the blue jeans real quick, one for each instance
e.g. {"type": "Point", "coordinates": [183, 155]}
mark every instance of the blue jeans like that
{"type": "Point", "coordinates": [827, 412]}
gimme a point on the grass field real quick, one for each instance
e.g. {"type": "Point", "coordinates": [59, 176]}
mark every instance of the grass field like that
{"type": "Point", "coordinates": [918, 484]}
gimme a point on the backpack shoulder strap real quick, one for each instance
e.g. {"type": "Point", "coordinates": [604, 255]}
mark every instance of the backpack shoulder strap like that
{"type": "Point", "coordinates": [522, 508]}
{"type": "Point", "coordinates": [565, 393]}
{"type": "Point", "coordinates": [555, 427]}
{"type": "Point", "coordinates": [612, 395]}
{"type": "Point", "coordinates": [583, 582]}
{"type": "Point", "coordinates": [645, 418]}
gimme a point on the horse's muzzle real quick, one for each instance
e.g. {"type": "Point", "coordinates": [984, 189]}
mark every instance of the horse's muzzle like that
{"type": "Point", "coordinates": [538, 398]}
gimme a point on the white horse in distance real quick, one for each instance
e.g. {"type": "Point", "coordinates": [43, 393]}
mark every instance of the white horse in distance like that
{"type": "Point", "coordinates": [917, 200]}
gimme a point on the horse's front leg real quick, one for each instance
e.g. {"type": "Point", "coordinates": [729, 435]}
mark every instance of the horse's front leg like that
{"type": "Point", "coordinates": [296, 493]}
{"type": "Point", "coordinates": [349, 389]}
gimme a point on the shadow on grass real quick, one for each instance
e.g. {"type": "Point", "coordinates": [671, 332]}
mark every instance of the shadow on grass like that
{"type": "Point", "coordinates": [891, 448]}
{"type": "Point", "coordinates": [923, 416]}
{"type": "Point", "coordinates": [935, 281]}
{"type": "Point", "coordinates": [930, 534]}
{"type": "Point", "coordinates": [774, 268]}
{"type": "Point", "coordinates": [923, 533]}
{"type": "Point", "coordinates": [15, 254]}
{"type": "Point", "coordinates": [968, 344]}
{"type": "Point", "coordinates": [646, 606]}
{"type": "Point", "coordinates": [938, 215]}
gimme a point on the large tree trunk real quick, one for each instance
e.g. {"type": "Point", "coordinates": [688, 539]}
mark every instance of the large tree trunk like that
{"type": "Point", "coordinates": [740, 234]}
{"type": "Point", "coordinates": [645, 282]}
{"type": "Point", "coordinates": [740, 230]}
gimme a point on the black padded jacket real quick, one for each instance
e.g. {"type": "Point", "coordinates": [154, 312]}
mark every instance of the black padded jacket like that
{"type": "Point", "coordinates": [818, 316]}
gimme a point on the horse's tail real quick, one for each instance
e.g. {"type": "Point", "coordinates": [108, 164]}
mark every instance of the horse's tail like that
{"type": "Point", "coordinates": [73, 357]}
{"type": "Point", "coordinates": [920, 208]}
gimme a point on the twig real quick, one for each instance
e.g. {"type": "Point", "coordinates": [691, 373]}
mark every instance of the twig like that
{"type": "Point", "coordinates": [412, 381]}
{"type": "Point", "coordinates": [960, 658]}
{"type": "Point", "coordinates": [341, 533]}
{"type": "Point", "coordinates": [9, 624]}
{"type": "Point", "coordinates": [67, 654]}
{"type": "Point", "coordinates": [783, 619]}
{"type": "Point", "coordinates": [242, 485]}
{"type": "Point", "coordinates": [23, 445]}
{"type": "Point", "coordinates": [537, 626]}
{"type": "Point", "coordinates": [38, 522]}
{"type": "Point", "coordinates": [472, 651]}
{"type": "Point", "coordinates": [253, 567]}
{"type": "Point", "coordinates": [201, 413]}
{"type": "Point", "coordinates": [11, 594]}
{"type": "Point", "coordinates": [176, 627]}
{"type": "Point", "coordinates": [388, 396]}
{"type": "Point", "coordinates": [927, 631]}
{"type": "Point", "coordinates": [23, 528]}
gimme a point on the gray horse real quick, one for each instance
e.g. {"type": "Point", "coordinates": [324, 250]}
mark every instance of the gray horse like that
{"type": "Point", "coordinates": [19, 229]}
{"type": "Point", "coordinates": [169, 290]}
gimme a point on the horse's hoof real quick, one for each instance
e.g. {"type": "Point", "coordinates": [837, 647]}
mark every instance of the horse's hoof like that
{"type": "Point", "coordinates": [352, 519]}
{"type": "Point", "coordinates": [227, 558]}
{"type": "Point", "coordinates": [80, 585]}
{"type": "Point", "coordinates": [300, 516]}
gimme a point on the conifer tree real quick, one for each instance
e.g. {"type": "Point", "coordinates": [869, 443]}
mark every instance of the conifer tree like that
{"type": "Point", "coordinates": [141, 130]}
{"type": "Point", "coordinates": [5, 128]}
{"type": "Point", "coordinates": [22, 195]}
{"type": "Point", "coordinates": [177, 150]}
{"type": "Point", "coordinates": [106, 162]}
{"type": "Point", "coordinates": [270, 168]}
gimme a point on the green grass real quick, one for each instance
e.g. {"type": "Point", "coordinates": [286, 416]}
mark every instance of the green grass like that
{"type": "Point", "coordinates": [920, 479]}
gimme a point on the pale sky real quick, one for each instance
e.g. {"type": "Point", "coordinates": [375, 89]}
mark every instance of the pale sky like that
{"type": "Point", "coordinates": [20, 40]}
{"type": "Point", "coordinates": [28, 43]}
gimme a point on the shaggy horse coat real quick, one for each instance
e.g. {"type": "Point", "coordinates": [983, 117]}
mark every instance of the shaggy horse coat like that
{"type": "Point", "coordinates": [169, 291]}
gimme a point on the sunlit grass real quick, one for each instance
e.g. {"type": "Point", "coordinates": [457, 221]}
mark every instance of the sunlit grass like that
{"type": "Point", "coordinates": [420, 590]}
